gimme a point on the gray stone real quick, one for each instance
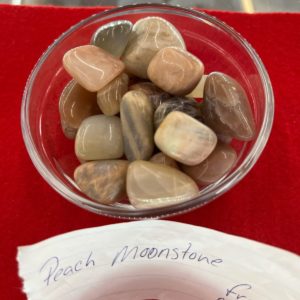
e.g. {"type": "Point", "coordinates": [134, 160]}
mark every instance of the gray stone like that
{"type": "Point", "coordinates": [113, 37]}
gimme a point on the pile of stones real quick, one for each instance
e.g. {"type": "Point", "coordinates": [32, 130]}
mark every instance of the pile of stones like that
{"type": "Point", "coordinates": [140, 134]}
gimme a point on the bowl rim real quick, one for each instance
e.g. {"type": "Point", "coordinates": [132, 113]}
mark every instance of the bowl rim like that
{"type": "Point", "coordinates": [212, 191]}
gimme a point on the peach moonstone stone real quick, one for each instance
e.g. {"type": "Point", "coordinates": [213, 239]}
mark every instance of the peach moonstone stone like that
{"type": "Point", "coordinates": [151, 185]}
{"type": "Point", "coordinates": [185, 139]}
{"type": "Point", "coordinates": [175, 71]}
{"type": "Point", "coordinates": [75, 105]}
{"type": "Point", "coordinates": [92, 67]}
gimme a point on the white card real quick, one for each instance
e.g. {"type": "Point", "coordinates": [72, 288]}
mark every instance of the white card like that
{"type": "Point", "coordinates": [156, 260]}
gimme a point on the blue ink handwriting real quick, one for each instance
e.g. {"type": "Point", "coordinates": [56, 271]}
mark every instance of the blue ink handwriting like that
{"type": "Point", "coordinates": [52, 270]}
{"type": "Point", "coordinates": [236, 292]}
{"type": "Point", "coordinates": [151, 253]}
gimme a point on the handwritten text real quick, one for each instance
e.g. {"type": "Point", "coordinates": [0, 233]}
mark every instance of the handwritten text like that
{"type": "Point", "coordinates": [52, 270]}
{"type": "Point", "coordinates": [151, 253]}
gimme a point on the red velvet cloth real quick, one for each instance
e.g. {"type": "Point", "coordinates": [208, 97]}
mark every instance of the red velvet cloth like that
{"type": "Point", "coordinates": [265, 206]}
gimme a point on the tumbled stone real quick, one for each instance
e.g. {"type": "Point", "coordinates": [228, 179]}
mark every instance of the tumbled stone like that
{"type": "Point", "coordinates": [215, 166]}
{"type": "Point", "coordinates": [103, 181]}
{"type": "Point", "coordinates": [149, 35]}
{"type": "Point", "coordinates": [161, 158]}
{"type": "Point", "coordinates": [137, 125]}
{"type": "Point", "coordinates": [156, 95]}
{"type": "Point", "coordinates": [197, 92]}
{"type": "Point", "coordinates": [226, 108]}
{"type": "Point", "coordinates": [185, 139]}
{"type": "Point", "coordinates": [109, 97]}
{"type": "Point", "coordinates": [186, 105]}
{"type": "Point", "coordinates": [99, 137]}
{"type": "Point", "coordinates": [92, 67]}
{"type": "Point", "coordinates": [113, 37]}
{"type": "Point", "coordinates": [175, 70]}
{"type": "Point", "coordinates": [76, 104]}
{"type": "Point", "coordinates": [151, 185]}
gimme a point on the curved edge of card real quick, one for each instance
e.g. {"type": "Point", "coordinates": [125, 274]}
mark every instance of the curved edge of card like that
{"type": "Point", "coordinates": [72, 265]}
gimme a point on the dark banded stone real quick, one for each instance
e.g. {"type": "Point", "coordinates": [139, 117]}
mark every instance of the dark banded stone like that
{"type": "Point", "coordinates": [183, 104]}
{"type": "Point", "coordinates": [156, 95]}
{"type": "Point", "coordinates": [137, 125]}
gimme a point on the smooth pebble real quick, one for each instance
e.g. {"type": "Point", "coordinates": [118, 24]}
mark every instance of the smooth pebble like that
{"type": "Point", "coordinates": [226, 108]}
{"type": "Point", "coordinates": [217, 164]}
{"type": "Point", "coordinates": [109, 97]}
{"type": "Point", "coordinates": [148, 36]}
{"type": "Point", "coordinates": [103, 181]}
{"type": "Point", "coordinates": [185, 139]}
{"type": "Point", "coordinates": [99, 137]}
{"type": "Point", "coordinates": [76, 104]}
{"type": "Point", "coordinates": [151, 185]}
{"type": "Point", "coordinates": [137, 125]}
{"type": "Point", "coordinates": [175, 71]}
{"type": "Point", "coordinates": [92, 67]}
{"type": "Point", "coordinates": [113, 37]}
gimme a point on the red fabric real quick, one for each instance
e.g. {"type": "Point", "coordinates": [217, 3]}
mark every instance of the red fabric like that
{"type": "Point", "coordinates": [265, 206]}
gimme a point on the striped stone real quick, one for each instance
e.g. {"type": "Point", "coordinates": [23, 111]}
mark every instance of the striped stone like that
{"type": "Point", "coordinates": [137, 125]}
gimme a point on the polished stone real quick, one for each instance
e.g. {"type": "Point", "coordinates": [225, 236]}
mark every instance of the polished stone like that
{"type": "Point", "coordinates": [175, 71]}
{"type": "Point", "coordinates": [137, 125]}
{"type": "Point", "coordinates": [151, 185]}
{"type": "Point", "coordinates": [113, 37]}
{"type": "Point", "coordinates": [198, 91]}
{"type": "Point", "coordinates": [103, 181]}
{"type": "Point", "coordinates": [75, 105]}
{"type": "Point", "coordinates": [226, 108]}
{"type": "Point", "coordinates": [185, 139]}
{"type": "Point", "coordinates": [92, 67]}
{"type": "Point", "coordinates": [156, 95]}
{"type": "Point", "coordinates": [99, 137]}
{"type": "Point", "coordinates": [217, 164]}
{"type": "Point", "coordinates": [109, 97]}
{"type": "Point", "coordinates": [161, 158]}
{"type": "Point", "coordinates": [149, 35]}
{"type": "Point", "coordinates": [183, 104]}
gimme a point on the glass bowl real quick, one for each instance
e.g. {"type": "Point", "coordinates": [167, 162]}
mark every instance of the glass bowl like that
{"type": "Point", "coordinates": [215, 43]}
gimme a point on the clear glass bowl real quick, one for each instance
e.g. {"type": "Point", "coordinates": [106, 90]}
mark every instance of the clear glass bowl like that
{"type": "Point", "coordinates": [215, 43]}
